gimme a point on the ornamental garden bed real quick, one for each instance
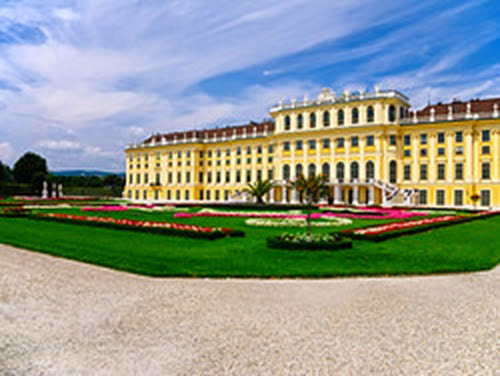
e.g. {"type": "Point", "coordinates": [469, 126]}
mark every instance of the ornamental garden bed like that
{"type": "Point", "coordinates": [166, 228]}
{"type": "Point", "coordinates": [315, 242]}
{"type": "Point", "coordinates": [391, 230]}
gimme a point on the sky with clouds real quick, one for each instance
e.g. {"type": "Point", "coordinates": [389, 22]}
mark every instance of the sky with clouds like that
{"type": "Point", "coordinates": [80, 79]}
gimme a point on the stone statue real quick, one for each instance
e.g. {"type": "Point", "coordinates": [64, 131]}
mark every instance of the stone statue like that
{"type": "Point", "coordinates": [60, 190]}
{"type": "Point", "coordinates": [45, 192]}
{"type": "Point", "coordinates": [54, 190]}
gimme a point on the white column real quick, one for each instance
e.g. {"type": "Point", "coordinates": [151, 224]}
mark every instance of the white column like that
{"type": "Point", "coordinates": [371, 200]}
{"type": "Point", "coordinates": [283, 193]}
{"type": "Point", "coordinates": [336, 195]}
{"type": "Point", "coordinates": [355, 193]}
{"type": "Point", "coordinates": [496, 173]}
{"type": "Point", "coordinates": [271, 195]}
{"type": "Point", "coordinates": [432, 165]}
{"type": "Point", "coordinates": [415, 160]}
{"type": "Point", "coordinates": [295, 196]}
{"type": "Point", "coordinates": [468, 151]}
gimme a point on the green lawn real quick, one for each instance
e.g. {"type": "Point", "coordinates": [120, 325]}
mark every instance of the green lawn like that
{"type": "Point", "coordinates": [465, 247]}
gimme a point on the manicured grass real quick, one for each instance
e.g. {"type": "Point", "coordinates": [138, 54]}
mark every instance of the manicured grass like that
{"type": "Point", "coordinates": [464, 247]}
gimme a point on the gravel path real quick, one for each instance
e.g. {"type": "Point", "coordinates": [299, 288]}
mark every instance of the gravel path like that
{"type": "Point", "coordinates": [59, 317]}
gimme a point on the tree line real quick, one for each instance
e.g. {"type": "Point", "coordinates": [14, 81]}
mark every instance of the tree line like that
{"type": "Point", "coordinates": [30, 171]}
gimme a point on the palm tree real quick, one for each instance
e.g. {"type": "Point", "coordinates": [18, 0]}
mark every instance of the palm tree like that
{"type": "Point", "coordinates": [259, 189]}
{"type": "Point", "coordinates": [311, 189]}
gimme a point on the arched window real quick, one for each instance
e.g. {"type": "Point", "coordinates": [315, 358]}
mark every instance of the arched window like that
{"type": "Point", "coordinates": [339, 171]}
{"type": "Point", "coordinates": [392, 113]}
{"type": "Point", "coordinates": [355, 116]}
{"type": "Point", "coordinates": [393, 171]}
{"type": "Point", "coordinates": [312, 120]}
{"type": "Point", "coordinates": [300, 121]}
{"type": "Point", "coordinates": [340, 117]}
{"type": "Point", "coordinates": [286, 172]}
{"type": "Point", "coordinates": [354, 170]}
{"type": "Point", "coordinates": [298, 170]}
{"type": "Point", "coordinates": [311, 169]}
{"type": "Point", "coordinates": [401, 112]}
{"type": "Point", "coordinates": [370, 114]}
{"type": "Point", "coordinates": [326, 119]}
{"type": "Point", "coordinates": [370, 170]}
{"type": "Point", "coordinates": [325, 170]}
{"type": "Point", "coordinates": [287, 123]}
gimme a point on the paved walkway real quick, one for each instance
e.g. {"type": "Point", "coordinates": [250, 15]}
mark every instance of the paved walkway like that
{"type": "Point", "coordinates": [62, 317]}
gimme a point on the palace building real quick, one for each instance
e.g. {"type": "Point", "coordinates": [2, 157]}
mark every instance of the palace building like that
{"type": "Point", "coordinates": [370, 147]}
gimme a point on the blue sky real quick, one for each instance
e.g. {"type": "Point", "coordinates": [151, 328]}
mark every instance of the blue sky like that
{"type": "Point", "coordinates": [79, 80]}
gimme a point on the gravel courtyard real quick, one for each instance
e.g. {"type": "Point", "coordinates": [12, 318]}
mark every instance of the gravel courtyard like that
{"type": "Point", "coordinates": [59, 317]}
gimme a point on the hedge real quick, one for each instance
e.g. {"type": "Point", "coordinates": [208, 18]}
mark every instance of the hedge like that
{"type": "Point", "coordinates": [277, 243]}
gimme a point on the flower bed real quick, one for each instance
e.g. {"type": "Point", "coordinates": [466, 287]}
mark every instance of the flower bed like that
{"type": "Point", "coordinates": [14, 211]}
{"type": "Point", "coordinates": [301, 242]}
{"type": "Point", "coordinates": [391, 230]}
{"type": "Point", "coordinates": [166, 228]}
{"type": "Point", "coordinates": [107, 208]}
{"type": "Point", "coordinates": [297, 222]}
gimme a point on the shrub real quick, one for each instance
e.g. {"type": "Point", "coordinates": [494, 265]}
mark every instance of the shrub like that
{"type": "Point", "coordinates": [300, 242]}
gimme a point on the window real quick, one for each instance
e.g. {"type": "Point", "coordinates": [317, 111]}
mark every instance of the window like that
{"type": "Point", "coordinates": [370, 140]}
{"type": "Point", "coordinates": [238, 150]}
{"type": "Point", "coordinates": [249, 150]}
{"type": "Point", "coordinates": [138, 178]}
{"type": "Point", "coordinates": [218, 153]}
{"type": "Point", "coordinates": [186, 194]}
{"type": "Point", "coordinates": [339, 171]}
{"type": "Point", "coordinates": [270, 149]}
{"type": "Point", "coordinates": [485, 197]}
{"type": "Point", "coordinates": [355, 116]}
{"type": "Point", "coordinates": [326, 143]}
{"type": "Point", "coordinates": [188, 177]}
{"type": "Point", "coordinates": [354, 171]}
{"type": "Point", "coordinates": [326, 119]}
{"type": "Point", "coordinates": [131, 179]}
{"type": "Point", "coordinates": [407, 172]}
{"type": "Point", "coordinates": [238, 160]}
{"type": "Point", "coordinates": [210, 154]}
{"type": "Point", "coordinates": [407, 140]}
{"type": "Point", "coordinates": [137, 194]}
{"type": "Point", "coordinates": [423, 152]}
{"type": "Point", "coordinates": [459, 150]}
{"type": "Point", "coordinates": [238, 176]}
{"type": "Point", "coordinates": [340, 142]}
{"type": "Point", "coordinates": [459, 136]}
{"type": "Point", "coordinates": [228, 176]}
{"type": "Point", "coordinates": [354, 141]}
{"type": "Point", "coordinates": [217, 195]}
{"type": "Point", "coordinates": [440, 138]}
{"type": "Point", "coordinates": [209, 177]}
{"type": "Point", "coordinates": [312, 120]}
{"type": "Point", "coordinates": [485, 171]}
{"type": "Point", "coordinates": [393, 170]}
{"type": "Point", "coordinates": [217, 177]}
{"type": "Point", "coordinates": [422, 196]}
{"type": "Point", "coordinates": [287, 123]}
{"type": "Point", "coordinates": [259, 149]}
{"type": "Point", "coordinates": [226, 195]}
{"type": "Point", "coordinates": [370, 170]}
{"type": "Point", "coordinates": [311, 169]}
{"type": "Point", "coordinates": [423, 139]}
{"type": "Point", "coordinates": [300, 121]}
{"type": "Point", "coordinates": [423, 171]}
{"type": "Point", "coordinates": [298, 145]}
{"type": "Point", "coordinates": [407, 153]}
{"type": "Point", "coordinates": [401, 112]}
{"type": "Point", "coordinates": [440, 197]}
{"type": "Point", "coordinates": [458, 197]}
{"type": "Point", "coordinates": [208, 195]}
{"type": "Point", "coordinates": [485, 135]}
{"type": "Point", "coordinates": [485, 150]}
{"type": "Point", "coordinates": [259, 160]}
{"type": "Point", "coordinates": [270, 174]}
{"type": "Point", "coordinates": [144, 195]}
{"type": "Point", "coordinates": [179, 178]}
{"type": "Point", "coordinates": [370, 114]}
{"type": "Point", "coordinates": [440, 171]}
{"type": "Point", "coordinates": [259, 174]}
{"type": "Point", "coordinates": [286, 146]}
{"type": "Point", "coordinates": [228, 152]}
{"type": "Point", "coordinates": [200, 177]}
{"type": "Point", "coordinates": [298, 170]}
{"type": "Point", "coordinates": [392, 139]}
{"type": "Point", "coordinates": [392, 113]}
{"type": "Point", "coordinates": [249, 176]}
{"type": "Point", "coordinates": [201, 194]}
{"type": "Point", "coordinates": [270, 159]}
{"type": "Point", "coordinates": [312, 144]}
{"type": "Point", "coordinates": [178, 194]}
{"type": "Point", "coordinates": [201, 153]}
{"type": "Point", "coordinates": [179, 154]}
{"type": "Point", "coordinates": [325, 170]}
{"type": "Point", "coordinates": [459, 171]}
{"type": "Point", "coordinates": [340, 117]}
{"type": "Point", "coordinates": [440, 151]}
{"type": "Point", "coordinates": [170, 178]}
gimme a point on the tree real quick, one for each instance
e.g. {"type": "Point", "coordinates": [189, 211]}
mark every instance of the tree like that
{"type": "Point", "coordinates": [311, 189]}
{"type": "Point", "coordinates": [259, 189]}
{"type": "Point", "coordinates": [5, 173]}
{"type": "Point", "coordinates": [27, 166]}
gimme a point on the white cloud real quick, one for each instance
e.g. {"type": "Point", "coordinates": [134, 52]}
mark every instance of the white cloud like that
{"type": "Point", "coordinates": [60, 145]}
{"type": "Point", "coordinates": [6, 152]}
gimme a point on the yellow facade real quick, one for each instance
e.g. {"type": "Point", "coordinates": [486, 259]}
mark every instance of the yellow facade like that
{"type": "Point", "coordinates": [371, 148]}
